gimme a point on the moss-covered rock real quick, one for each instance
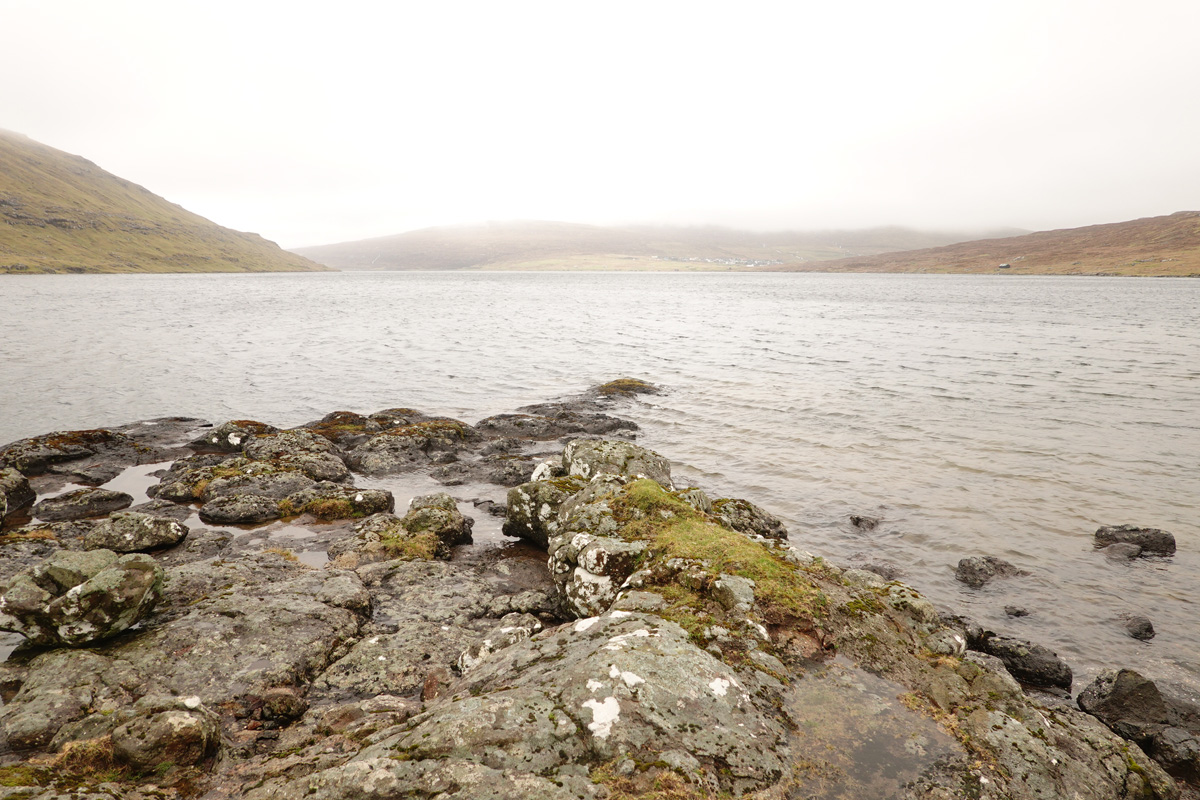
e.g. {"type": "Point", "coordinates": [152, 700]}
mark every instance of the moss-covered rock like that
{"type": "Point", "coordinates": [532, 508]}
{"type": "Point", "coordinates": [329, 501]}
{"type": "Point", "coordinates": [748, 518]}
{"type": "Point", "coordinates": [590, 457]}
{"type": "Point", "coordinates": [408, 447]}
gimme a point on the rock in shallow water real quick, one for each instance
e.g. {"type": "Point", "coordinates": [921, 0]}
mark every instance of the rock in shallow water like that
{"type": "Point", "coordinates": [1151, 540]}
{"type": "Point", "coordinates": [978, 570]}
{"type": "Point", "coordinates": [134, 532]}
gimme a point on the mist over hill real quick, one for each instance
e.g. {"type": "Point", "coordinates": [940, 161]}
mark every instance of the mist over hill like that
{"type": "Point", "coordinates": [62, 213]}
{"type": "Point", "coordinates": [560, 245]}
{"type": "Point", "coordinates": [1152, 246]}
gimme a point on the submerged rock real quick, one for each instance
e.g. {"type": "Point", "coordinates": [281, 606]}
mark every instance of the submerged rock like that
{"type": "Point", "coordinates": [81, 504]}
{"type": "Point", "coordinates": [976, 571]}
{"type": "Point", "coordinates": [74, 598]}
{"type": "Point", "coordinates": [1151, 540]}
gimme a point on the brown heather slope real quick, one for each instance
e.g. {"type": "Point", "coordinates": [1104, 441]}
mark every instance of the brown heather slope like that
{"type": "Point", "coordinates": [62, 213]}
{"type": "Point", "coordinates": [1154, 246]}
{"type": "Point", "coordinates": [530, 245]}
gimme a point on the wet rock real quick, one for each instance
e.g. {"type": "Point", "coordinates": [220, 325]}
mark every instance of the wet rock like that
{"type": "Point", "coordinates": [532, 508]}
{"type": "Point", "coordinates": [180, 731]}
{"type": "Point", "coordinates": [500, 469]}
{"type": "Point", "coordinates": [409, 447]}
{"type": "Point", "coordinates": [231, 436]}
{"type": "Point", "coordinates": [590, 457]}
{"type": "Point", "coordinates": [558, 423]}
{"type": "Point", "coordinates": [15, 492]}
{"type": "Point", "coordinates": [1016, 611]}
{"type": "Point", "coordinates": [746, 517]}
{"type": "Point", "coordinates": [864, 523]}
{"type": "Point", "coordinates": [1152, 540]}
{"type": "Point", "coordinates": [314, 455]}
{"type": "Point", "coordinates": [240, 509]}
{"type": "Point", "coordinates": [382, 537]}
{"type": "Point", "coordinates": [81, 504]}
{"type": "Point", "coordinates": [979, 570]}
{"type": "Point", "coordinates": [327, 500]}
{"type": "Point", "coordinates": [1138, 626]}
{"type": "Point", "coordinates": [884, 569]}
{"type": "Point", "coordinates": [511, 629]}
{"type": "Point", "coordinates": [1122, 551]}
{"type": "Point", "coordinates": [946, 642]}
{"type": "Point", "coordinates": [133, 532]}
{"type": "Point", "coordinates": [74, 598]}
{"type": "Point", "coordinates": [164, 509]}
{"type": "Point", "coordinates": [1029, 663]}
{"type": "Point", "coordinates": [1135, 708]}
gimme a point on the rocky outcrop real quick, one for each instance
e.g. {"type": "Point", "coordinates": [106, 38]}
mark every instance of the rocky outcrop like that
{"type": "Point", "coordinates": [745, 517]}
{"type": "Point", "coordinates": [1166, 727]}
{"type": "Point", "coordinates": [74, 598]}
{"type": "Point", "coordinates": [409, 447]}
{"type": "Point", "coordinates": [89, 456]}
{"type": "Point", "coordinates": [588, 458]}
{"type": "Point", "coordinates": [229, 437]}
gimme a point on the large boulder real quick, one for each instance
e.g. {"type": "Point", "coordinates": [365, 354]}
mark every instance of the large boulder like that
{"type": "Point", "coordinates": [15, 492]}
{"type": "Point", "coordinates": [75, 598]}
{"type": "Point", "coordinates": [1152, 540]}
{"type": "Point", "coordinates": [134, 532]}
{"type": "Point", "coordinates": [590, 457]}
{"type": "Point", "coordinates": [81, 504]}
{"type": "Point", "coordinates": [179, 731]}
{"type": "Point", "coordinates": [1135, 708]}
{"type": "Point", "coordinates": [1028, 662]}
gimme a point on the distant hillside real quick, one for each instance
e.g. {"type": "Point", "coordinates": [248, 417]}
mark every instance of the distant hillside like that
{"type": "Point", "coordinates": [1155, 246]}
{"type": "Point", "coordinates": [561, 245]}
{"type": "Point", "coordinates": [62, 213]}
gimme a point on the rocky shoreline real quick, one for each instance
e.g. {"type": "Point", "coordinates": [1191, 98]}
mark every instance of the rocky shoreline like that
{"type": "Point", "coordinates": [647, 640]}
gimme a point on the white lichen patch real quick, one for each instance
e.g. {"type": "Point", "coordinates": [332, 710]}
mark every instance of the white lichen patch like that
{"type": "Point", "coordinates": [604, 713]}
{"type": "Point", "coordinates": [620, 614]}
{"type": "Point", "coordinates": [630, 679]}
{"type": "Point", "coordinates": [594, 685]}
{"type": "Point", "coordinates": [192, 702]}
{"type": "Point", "coordinates": [623, 640]}
{"type": "Point", "coordinates": [583, 624]}
{"type": "Point", "coordinates": [719, 686]}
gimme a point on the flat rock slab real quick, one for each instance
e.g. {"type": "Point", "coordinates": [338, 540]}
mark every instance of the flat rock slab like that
{"type": "Point", "coordinates": [81, 504]}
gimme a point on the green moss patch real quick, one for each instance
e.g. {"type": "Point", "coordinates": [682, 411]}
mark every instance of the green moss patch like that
{"type": "Point", "coordinates": [417, 547]}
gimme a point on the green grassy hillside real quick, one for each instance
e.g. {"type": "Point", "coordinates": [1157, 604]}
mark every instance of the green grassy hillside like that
{"type": "Point", "coordinates": [62, 213]}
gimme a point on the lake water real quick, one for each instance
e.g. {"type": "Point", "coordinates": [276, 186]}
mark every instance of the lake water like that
{"type": "Point", "coordinates": [974, 415]}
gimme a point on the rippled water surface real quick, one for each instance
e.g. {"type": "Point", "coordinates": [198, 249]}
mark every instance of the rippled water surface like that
{"type": "Point", "coordinates": [974, 415]}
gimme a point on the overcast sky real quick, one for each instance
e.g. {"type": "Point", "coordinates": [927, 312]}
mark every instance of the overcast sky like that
{"type": "Point", "coordinates": [313, 123]}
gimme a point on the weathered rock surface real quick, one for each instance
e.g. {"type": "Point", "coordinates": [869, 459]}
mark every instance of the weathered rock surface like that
{"type": "Point", "coordinates": [977, 571]}
{"type": "Point", "coordinates": [314, 455]}
{"type": "Point", "coordinates": [588, 458]}
{"type": "Point", "coordinates": [74, 598]}
{"type": "Point", "coordinates": [15, 492]}
{"type": "Point", "coordinates": [1166, 727]}
{"type": "Point", "coordinates": [81, 504]}
{"type": "Point", "coordinates": [162, 730]}
{"type": "Point", "coordinates": [134, 532]}
{"type": "Point", "coordinates": [532, 508]}
{"type": "Point", "coordinates": [1138, 626]}
{"type": "Point", "coordinates": [409, 447]}
{"type": "Point", "coordinates": [1152, 540]}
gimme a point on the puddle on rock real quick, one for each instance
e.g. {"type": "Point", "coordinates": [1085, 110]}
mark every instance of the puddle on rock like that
{"type": "Point", "coordinates": [854, 737]}
{"type": "Point", "coordinates": [134, 481]}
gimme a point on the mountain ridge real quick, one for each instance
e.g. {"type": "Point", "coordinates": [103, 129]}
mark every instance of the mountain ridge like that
{"type": "Point", "coordinates": [60, 212]}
